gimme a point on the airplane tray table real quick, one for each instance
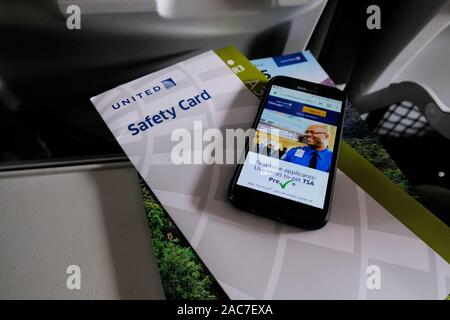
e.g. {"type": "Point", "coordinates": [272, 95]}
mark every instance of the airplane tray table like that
{"type": "Point", "coordinates": [59, 219]}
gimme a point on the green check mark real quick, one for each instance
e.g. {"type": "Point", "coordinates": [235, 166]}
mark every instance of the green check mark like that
{"type": "Point", "coordinates": [284, 185]}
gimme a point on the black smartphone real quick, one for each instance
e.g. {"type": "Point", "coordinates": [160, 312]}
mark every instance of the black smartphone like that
{"type": "Point", "coordinates": [289, 163]}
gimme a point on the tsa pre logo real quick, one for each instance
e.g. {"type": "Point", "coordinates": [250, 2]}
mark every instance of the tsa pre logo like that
{"type": "Point", "coordinates": [282, 184]}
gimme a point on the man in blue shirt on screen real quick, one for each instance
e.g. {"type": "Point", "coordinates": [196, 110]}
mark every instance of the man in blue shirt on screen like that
{"type": "Point", "coordinates": [315, 154]}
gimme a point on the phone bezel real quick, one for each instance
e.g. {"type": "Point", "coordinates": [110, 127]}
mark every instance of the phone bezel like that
{"type": "Point", "coordinates": [282, 209]}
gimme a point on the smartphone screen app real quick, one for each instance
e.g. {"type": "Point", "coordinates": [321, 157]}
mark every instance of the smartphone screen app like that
{"type": "Point", "coordinates": [291, 153]}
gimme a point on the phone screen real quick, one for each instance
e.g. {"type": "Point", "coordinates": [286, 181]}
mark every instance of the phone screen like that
{"type": "Point", "coordinates": [291, 153]}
